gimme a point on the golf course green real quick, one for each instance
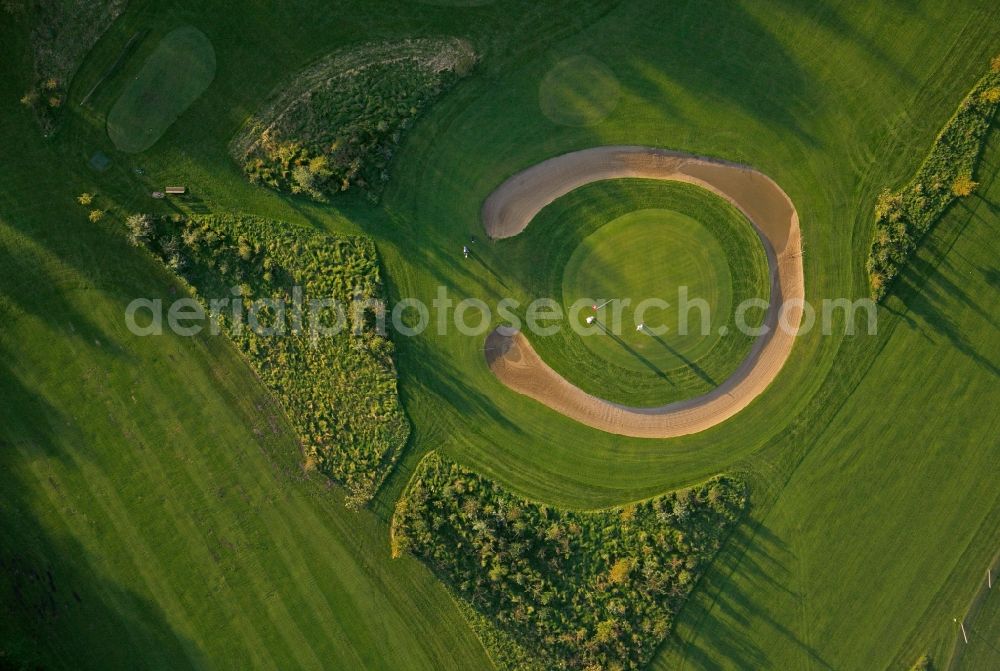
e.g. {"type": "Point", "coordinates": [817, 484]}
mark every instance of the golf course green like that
{"type": "Point", "coordinates": [157, 506]}
{"type": "Point", "coordinates": [642, 239]}
{"type": "Point", "coordinates": [662, 255]}
{"type": "Point", "coordinates": [650, 254]}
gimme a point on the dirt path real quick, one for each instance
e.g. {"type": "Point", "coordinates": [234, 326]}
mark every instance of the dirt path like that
{"type": "Point", "coordinates": [512, 206]}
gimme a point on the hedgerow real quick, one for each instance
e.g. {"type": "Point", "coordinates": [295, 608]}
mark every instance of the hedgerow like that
{"type": "Point", "coordinates": [578, 590]}
{"type": "Point", "coordinates": [903, 217]}
{"type": "Point", "coordinates": [337, 125]}
{"type": "Point", "coordinates": [339, 391]}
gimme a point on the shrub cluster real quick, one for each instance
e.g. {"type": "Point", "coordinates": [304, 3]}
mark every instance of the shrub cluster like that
{"type": "Point", "coordinates": [339, 391]}
{"type": "Point", "coordinates": [903, 217]}
{"type": "Point", "coordinates": [336, 127]}
{"type": "Point", "coordinates": [62, 33]}
{"type": "Point", "coordinates": [579, 590]}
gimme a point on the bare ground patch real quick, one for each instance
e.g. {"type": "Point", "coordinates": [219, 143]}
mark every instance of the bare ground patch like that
{"type": "Point", "coordinates": [509, 354]}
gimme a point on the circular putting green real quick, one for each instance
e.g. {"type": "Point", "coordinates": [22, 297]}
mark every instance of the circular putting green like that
{"type": "Point", "coordinates": [639, 240]}
{"type": "Point", "coordinates": [174, 76]}
{"type": "Point", "coordinates": [643, 261]}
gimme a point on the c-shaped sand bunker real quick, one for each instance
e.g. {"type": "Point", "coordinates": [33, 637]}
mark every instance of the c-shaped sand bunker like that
{"type": "Point", "coordinates": [512, 206]}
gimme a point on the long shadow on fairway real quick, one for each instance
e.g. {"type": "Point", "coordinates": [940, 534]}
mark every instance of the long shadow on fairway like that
{"type": "Point", "coordinates": [52, 594]}
{"type": "Point", "coordinates": [926, 290]}
{"type": "Point", "coordinates": [711, 627]}
{"type": "Point", "coordinates": [447, 382]}
{"type": "Point", "coordinates": [830, 15]}
{"type": "Point", "coordinates": [489, 269]}
{"type": "Point", "coordinates": [695, 368]}
{"type": "Point", "coordinates": [744, 64]}
{"type": "Point", "coordinates": [639, 357]}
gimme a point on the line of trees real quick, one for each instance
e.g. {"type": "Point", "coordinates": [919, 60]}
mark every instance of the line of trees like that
{"type": "Point", "coordinates": [903, 217]}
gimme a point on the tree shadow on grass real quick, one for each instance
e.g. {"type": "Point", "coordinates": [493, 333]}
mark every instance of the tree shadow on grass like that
{"type": "Point", "coordinates": [35, 284]}
{"type": "Point", "coordinates": [831, 16]}
{"type": "Point", "coordinates": [921, 302]}
{"type": "Point", "coordinates": [927, 291]}
{"type": "Point", "coordinates": [56, 606]}
{"type": "Point", "coordinates": [712, 630]}
{"type": "Point", "coordinates": [744, 64]}
{"type": "Point", "coordinates": [991, 275]}
{"type": "Point", "coordinates": [447, 382]}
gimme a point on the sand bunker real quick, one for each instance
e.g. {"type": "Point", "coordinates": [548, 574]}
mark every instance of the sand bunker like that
{"type": "Point", "coordinates": [512, 206]}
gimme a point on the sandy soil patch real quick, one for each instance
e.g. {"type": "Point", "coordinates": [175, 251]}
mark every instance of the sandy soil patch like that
{"type": "Point", "coordinates": [512, 206]}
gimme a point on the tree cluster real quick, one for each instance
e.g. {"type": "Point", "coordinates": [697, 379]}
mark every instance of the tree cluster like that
{"type": "Point", "coordinates": [342, 133]}
{"type": "Point", "coordinates": [902, 218]}
{"type": "Point", "coordinates": [339, 391]}
{"type": "Point", "coordinates": [62, 32]}
{"type": "Point", "coordinates": [579, 590]}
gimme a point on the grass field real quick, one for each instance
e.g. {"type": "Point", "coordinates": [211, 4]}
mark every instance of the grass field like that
{"type": "Point", "coordinates": [174, 75]}
{"type": "Point", "coordinates": [981, 623]}
{"type": "Point", "coordinates": [148, 477]}
{"type": "Point", "coordinates": [154, 508]}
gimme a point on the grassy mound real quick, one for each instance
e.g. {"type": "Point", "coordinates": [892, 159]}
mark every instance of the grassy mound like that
{"type": "Point", "coordinates": [338, 390]}
{"type": "Point", "coordinates": [577, 590]}
{"type": "Point", "coordinates": [337, 124]}
{"type": "Point", "coordinates": [173, 77]}
{"type": "Point", "coordinates": [640, 239]}
{"type": "Point", "coordinates": [62, 33]}
{"type": "Point", "coordinates": [902, 218]}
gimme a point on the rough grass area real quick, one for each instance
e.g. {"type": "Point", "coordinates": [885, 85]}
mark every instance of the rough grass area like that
{"type": "Point", "coordinates": [337, 124]}
{"type": "Point", "coordinates": [577, 590]}
{"type": "Point", "coordinates": [338, 387]}
{"type": "Point", "coordinates": [62, 33]}
{"type": "Point", "coordinates": [174, 75]}
{"type": "Point", "coordinates": [902, 218]}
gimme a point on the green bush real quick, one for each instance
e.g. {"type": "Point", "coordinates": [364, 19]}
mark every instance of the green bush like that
{"type": "Point", "coordinates": [339, 391]}
{"type": "Point", "coordinates": [578, 590]}
{"type": "Point", "coordinates": [902, 218]}
{"type": "Point", "coordinates": [337, 125]}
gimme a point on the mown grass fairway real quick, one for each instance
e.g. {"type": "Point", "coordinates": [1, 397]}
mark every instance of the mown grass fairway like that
{"type": "Point", "coordinates": [174, 75]}
{"type": "Point", "coordinates": [154, 508]}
